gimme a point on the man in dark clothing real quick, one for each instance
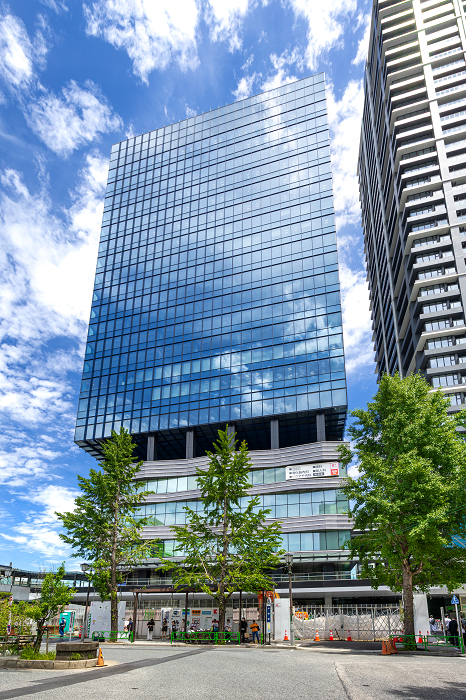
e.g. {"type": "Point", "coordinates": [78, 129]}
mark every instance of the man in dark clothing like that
{"type": "Point", "coordinates": [243, 626]}
{"type": "Point", "coordinates": [453, 631]}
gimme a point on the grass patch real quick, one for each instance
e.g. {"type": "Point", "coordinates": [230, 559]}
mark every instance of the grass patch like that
{"type": "Point", "coordinates": [29, 654]}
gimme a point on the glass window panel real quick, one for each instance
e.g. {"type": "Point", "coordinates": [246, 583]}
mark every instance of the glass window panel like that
{"type": "Point", "coordinates": [192, 483]}
{"type": "Point", "coordinates": [280, 474]}
{"type": "Point", "coordinates": [257, 477]}
{"type": "Point", "coordinates": [182, 483]}
{"type": "Point", "coordinates": [294, 542]}
{"type": "Point", "coordinates": [281, 498]}
{"type": "Point", "coordinates": [307, 541]}
{"type": "Point", "coordinates": [293, 510]}
{"type": "Point", "coordinates": [162, 487]}
{"type": "Point", "coordinates": [332, 539]}
{"type": "Point", "coordinates": [171, 485]}
{"type": "Point", "coordinates": [269, 476]}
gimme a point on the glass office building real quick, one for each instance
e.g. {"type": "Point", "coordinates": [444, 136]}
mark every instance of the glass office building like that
{"type": "Point", "coordinates": [217, 302]}
{"type": "Point", "coordinates": [216, 294]}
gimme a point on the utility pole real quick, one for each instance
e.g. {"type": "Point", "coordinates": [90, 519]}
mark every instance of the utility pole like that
{"type": "Point", "coordinates": [289, 564]}
{"type": "Point", "coordinates": [84, 568]}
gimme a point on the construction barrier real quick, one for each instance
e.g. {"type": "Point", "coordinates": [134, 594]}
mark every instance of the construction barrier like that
{"type": "Point", "coordinates": [429, 642]}
{"type": "Point", "coordinates": [111, 636]}
{"type": "Point", "coordinates": [205, 637]}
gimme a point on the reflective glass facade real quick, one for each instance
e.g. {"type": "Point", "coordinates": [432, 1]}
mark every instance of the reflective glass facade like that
{"type": "Point", "coordinates": [216, 295]}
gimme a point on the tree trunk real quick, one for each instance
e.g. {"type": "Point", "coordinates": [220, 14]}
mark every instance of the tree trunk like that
{"type": "Point", "coordinates": [221, 616]}
{"type": "Point", "coordinates": [39, 635]}
{"type": "Point", "coordinates": [408, 600]}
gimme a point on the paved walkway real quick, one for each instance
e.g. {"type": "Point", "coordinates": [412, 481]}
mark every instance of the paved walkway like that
{"type": "Point", "coordinates": [236, 673]}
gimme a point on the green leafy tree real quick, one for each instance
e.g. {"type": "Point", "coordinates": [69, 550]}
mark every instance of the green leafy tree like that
{"type": "Point", "coordinates": [227, 547]}
{"type": "Point", "coordinates": [104, 527]}
{"type": "Point", "coordinates": [55, 595]}
{"type": "Point", "coordinates": [409, 500]}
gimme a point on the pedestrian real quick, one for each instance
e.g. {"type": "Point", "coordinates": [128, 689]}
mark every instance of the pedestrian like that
{"type": "Point", "coordinates": [61, 628]}
{"type": "Point", "coordinates": [243, 626]}
{"type": "Point", "coordinates": [164, 628]}
{"type": "Point", "coordinates": [150, 629]}
{"type": "Point", "coordinates": [174, 629]}
{"type": "Point", "coordinates": [447, 623]}
{"type": "Point", "coordinates": [432, 624]}
{"type": "Point", "coordinates": [463, 630]}
{"type": "Point", "coordinates": [130, 625]}
{"type": "Point", "coordinates": [453, 633]}
{"type": "Point", "coordinates": [255, 632]}
{"type": "Point", "coordinates": [228, 631]}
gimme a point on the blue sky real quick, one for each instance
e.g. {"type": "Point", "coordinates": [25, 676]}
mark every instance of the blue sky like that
{"type": "Point", "coordinates": [74, 79]}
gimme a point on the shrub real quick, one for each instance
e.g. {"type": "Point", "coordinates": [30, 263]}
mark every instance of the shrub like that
{"type": "Point", "coordinates": [29, 654]}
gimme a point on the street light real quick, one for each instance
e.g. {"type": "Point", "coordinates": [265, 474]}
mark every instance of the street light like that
{"type": "Point", "coordinates": [289, 564]}
{"type": "Point", "coordinates": [85, 567]}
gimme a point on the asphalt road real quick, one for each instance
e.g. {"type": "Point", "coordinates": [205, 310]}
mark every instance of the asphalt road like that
{"type": "Point", "coordinates": [239, 673]}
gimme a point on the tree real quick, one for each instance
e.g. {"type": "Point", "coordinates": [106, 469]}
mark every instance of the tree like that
{"type": "Point", "coordinates": [103, 529]}
{"type": "Point", "coordinates": [55, 595]}
{"type": "Point", "coordinates": [409, 499]}
{"type": "Point", "coordinates": [227, 547]}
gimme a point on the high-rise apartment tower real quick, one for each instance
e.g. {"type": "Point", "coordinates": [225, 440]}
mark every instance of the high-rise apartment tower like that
{"type": "Point", "coordinates": [412, 178]}
{"type": "Point", "coordinates": [217, 301]}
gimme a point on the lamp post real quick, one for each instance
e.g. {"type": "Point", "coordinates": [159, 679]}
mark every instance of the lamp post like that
{"type": "Point", "coordinates": [289, 564]}
{"type": "Point", "coordinates": [8, 570]}
{"type": "Point", "coordinates": [84, 568]}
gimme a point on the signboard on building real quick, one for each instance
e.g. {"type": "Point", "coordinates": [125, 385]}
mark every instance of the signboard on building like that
{"type": "Point", "coordinates": [311, 471]}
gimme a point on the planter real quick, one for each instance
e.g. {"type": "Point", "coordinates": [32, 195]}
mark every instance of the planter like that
{"type": "Point", "coordinates": [55, 665]}
{"type": "Point", "coordinates": [87, 650]}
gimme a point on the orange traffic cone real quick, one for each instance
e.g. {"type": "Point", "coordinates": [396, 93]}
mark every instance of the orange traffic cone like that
{"type": "Point", "coordinates": [100, 658]}
{"type": "Point", "coordinates": [385, 651]}
{"type": "Point", "coordinates": [330, 639]}
{"type": "Point", "coordinates": [285, 638]}
{"type": "Point", "coordinates": [420, 638]}
{"type": "Point", "coordinates": [317, 638]}
{"type": "Point", "coordinates": [394, 650]}
{"type": "Point", "coordinates": [349, 636]}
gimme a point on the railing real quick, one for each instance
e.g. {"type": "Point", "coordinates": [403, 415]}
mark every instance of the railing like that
{"type": "Point", "coordinates": [107, 636]}
{"type": "Point", "coordinates": [277, 578]}
{"type": "Point", "coordinates": [440, 643]}
{"type": "Point", "coordinates": [205, 637]}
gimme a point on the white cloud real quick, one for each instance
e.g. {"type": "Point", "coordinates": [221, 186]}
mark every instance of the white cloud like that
{"type": "Point", "coordinates": [345, 127]}
{"type": "Point", "coordinates": [19, 56]}
{"type": "Point", "coordinates": [326, 24]}
{"type": "Point", "coordinates": [225, 19]}
{"type": "Point", "coordinates": [47, 264]}
{"type": "Point", "coordinates": [280, 72]}
{"type": "Point", "coordinates": [357, 325]}
{"type": "Point", "coordinates": [190, 112]}
{"type": "Point", "coordinates": [72, 119]}
{"type": "Point", "coordinates": [57, 6]}
{"type": "Point", "coordinates": [23, 458]}
{"type": "Point", "coordinates": [152, 33]}
{"type": "Point", "coordinates": [39, 531]}
{"type": "Point", "coordinates": [363, 44]}
{"type": "Point", "coordinates": [245, 86]}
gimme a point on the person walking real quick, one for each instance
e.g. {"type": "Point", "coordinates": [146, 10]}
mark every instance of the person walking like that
{"type": "Point", "coordinates": [150, 629]}
{"type": "Point", "coordinates": [130, 625]}
{"type": "Point", "coordinates": [453, 633]}
{"type": "Point", "coordinates": [243, 626]}
{"type": "Point", "coordinates": [255, 632]}
{"type": "Point", "coordinates": [228, 631]}
{"type": "Point", "coordinates": [164, 628]}
{"type": "Point", "coordinates": [432, 624]}
{"type": "Point", "coordinates": [174, 629]}
{"type": "Point", "coordinates": [61, 628]}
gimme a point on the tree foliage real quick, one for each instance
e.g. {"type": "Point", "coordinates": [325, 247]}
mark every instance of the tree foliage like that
{"type": "Point", "coordinates": [227, 547]}
{"type": "Point", "coordinates": [409, 500]}
{"type": "Point", "coordinates": [103, 528]}
{"type": "Point", "coordinates": [55, 595]}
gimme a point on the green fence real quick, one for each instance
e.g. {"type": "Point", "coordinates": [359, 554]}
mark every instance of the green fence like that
{"type": "Point", "coordinates": [429, 642]}
{"type": "Point", "coordinates": [111, 636]}
{"type": "Point", "coordinates": [205, 637]}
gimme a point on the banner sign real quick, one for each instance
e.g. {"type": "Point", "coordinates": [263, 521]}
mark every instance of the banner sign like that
{"type": "Point", "coordinates": [311, 471]}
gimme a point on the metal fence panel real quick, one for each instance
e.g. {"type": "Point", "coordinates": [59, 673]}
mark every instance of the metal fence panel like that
{"type": "Point", "coordinates": [361, 622]}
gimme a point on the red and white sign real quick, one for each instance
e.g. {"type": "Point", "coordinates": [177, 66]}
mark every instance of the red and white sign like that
{"type": "Point", "coordinates": [313, 471]}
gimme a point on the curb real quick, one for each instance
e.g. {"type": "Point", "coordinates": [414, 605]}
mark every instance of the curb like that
{"type": "Point", "coordinates": [47, 664]}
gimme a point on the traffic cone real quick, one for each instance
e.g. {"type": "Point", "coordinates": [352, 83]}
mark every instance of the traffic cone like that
{"type": "Point", "coordinates": [393, 648]}
{"type": "Point", "coordinates": [100, 658]}
{"type": "Point", "coordinates": [349, 636]}
{"type": "Point", "coordinates": [330, 639]}
{"type": "Point", "coordinates": [285, 638]}
{"type": "Point", "coordinates": [420, 638]}
{"type": "Point", "coordinates": [317, 638]}
{"type": "Point", "coordinates": [385, 651]}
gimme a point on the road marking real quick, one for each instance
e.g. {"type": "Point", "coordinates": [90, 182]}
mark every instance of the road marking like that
{"type": "Point", "coordinates": [64, 681]}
